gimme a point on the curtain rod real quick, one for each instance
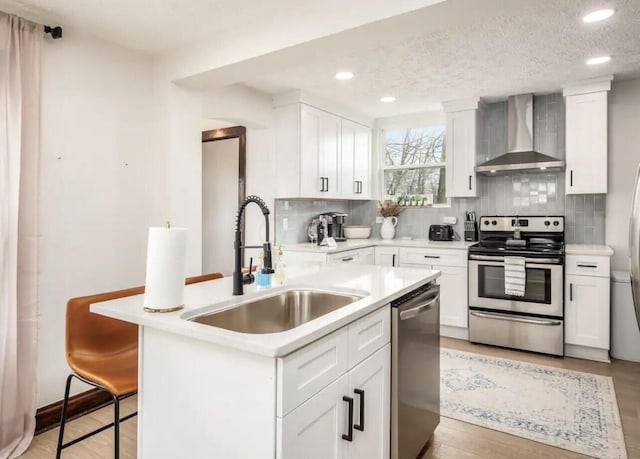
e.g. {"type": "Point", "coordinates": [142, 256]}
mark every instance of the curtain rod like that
{"type": "Point", "coordinates": [56, 32]}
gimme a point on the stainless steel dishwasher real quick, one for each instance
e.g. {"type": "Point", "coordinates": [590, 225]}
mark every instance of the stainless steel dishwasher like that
{"type": "Point", "coordinates": [415, 370]}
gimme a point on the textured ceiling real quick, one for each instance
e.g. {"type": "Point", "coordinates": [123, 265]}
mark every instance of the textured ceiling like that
{"type": "Point", "coordinates": [534, 49]}
{"type": "Point", "coordinates": [159, 26]}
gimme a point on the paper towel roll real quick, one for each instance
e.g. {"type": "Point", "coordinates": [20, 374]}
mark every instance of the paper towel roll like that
{"type": "Point", "coordinates": [166, 258]}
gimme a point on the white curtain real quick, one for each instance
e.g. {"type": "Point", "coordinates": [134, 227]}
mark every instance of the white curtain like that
{"type": "Point", "coordinates": [20, 43]}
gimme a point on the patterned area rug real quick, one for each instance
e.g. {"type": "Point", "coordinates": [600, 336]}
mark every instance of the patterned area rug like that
{"type": "Point", "coordinates": [568, 409]}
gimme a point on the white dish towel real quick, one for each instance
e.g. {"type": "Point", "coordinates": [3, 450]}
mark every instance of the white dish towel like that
{"type": "Point", "coordinates": [515, 276]}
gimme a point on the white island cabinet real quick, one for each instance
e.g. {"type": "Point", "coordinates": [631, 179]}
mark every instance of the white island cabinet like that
{"type": "Point", "coordinates": [209, 392]}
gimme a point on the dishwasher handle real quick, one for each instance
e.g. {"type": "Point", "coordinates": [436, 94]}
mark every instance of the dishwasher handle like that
{"type": "Point", "coordinates": [421, 303]}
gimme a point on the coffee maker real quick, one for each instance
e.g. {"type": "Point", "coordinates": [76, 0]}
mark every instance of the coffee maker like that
{"type": "Point", "coordinates": [330, 224]}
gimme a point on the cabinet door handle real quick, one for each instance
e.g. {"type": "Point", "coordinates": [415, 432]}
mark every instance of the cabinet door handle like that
{"type": "Point", "coordinates": [570, 292]}
{"type": "Point", "coordinates": [587, 265]}
{"type": "Point", "coordinates": [469, 182]}
{"type": "Point", "coordinates": [322, 184]}
{"type": "Point", "coordinates": [349, 436]}
{"type": "Point", "coordinates": [360, 426]}
{"type": "Point", "coordinates": [347, 259]}
{"type": "Point", "coordinates": [327, 179]}
{"type": "Point", "coordinates": [432, 256]}
{"type": "Point", "coordinates": [571, 178]}
{"type": "Point", "coordinates": [393, 260]}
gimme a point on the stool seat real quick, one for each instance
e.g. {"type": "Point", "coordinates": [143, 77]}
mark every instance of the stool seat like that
{"type": "Point", "coordinates": [118, 373]}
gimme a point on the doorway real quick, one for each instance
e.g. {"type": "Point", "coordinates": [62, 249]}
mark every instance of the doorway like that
{"type": "Point", "coordinates": [223, 189]}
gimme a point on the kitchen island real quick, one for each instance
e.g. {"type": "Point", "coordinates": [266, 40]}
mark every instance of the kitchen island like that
{"type": "Point", "coordinates": [206, 391]}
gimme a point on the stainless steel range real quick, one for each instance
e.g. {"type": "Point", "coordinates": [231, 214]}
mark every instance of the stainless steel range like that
{"type": "Point", "coordinates": [532, 319]}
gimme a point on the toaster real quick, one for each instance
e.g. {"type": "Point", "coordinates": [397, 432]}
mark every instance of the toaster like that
{"type": "Point", "coordinates": [440, 233]}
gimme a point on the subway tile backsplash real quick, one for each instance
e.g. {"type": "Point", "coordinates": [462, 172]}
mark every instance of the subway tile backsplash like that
{"type": "Point", "coordinates": [530, 193]}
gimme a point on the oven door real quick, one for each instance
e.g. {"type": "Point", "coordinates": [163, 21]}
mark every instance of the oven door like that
{"type": "Point", "coordinates": [543, 288]}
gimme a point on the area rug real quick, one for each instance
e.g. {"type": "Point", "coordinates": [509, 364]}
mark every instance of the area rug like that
{"type": "Point", "coordinates": [568, 409]}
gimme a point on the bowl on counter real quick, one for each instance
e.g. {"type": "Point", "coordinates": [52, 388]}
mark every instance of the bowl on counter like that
{"type": "Point", "coordinates": [357, 231]}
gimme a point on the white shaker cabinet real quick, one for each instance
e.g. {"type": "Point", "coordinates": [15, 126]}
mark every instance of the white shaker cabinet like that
{"type": "Point", "coordinates": [355, 160]}
{"type": "Point", "coordinates": [586, 138]}
{"type": "Point", "coordinates": [462, 142]}
{"type": "Point", "coordinates": [453, 285]}
{"type": "Point", "coordinates": [587, 307]}
{"type": "Point", "coordinates": [387, 256]}
{"type": "Point", "coordinates": [320, 154]}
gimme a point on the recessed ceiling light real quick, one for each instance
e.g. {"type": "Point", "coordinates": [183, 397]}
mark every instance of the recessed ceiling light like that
{"type": "Point", "coordinates": [598, 15]}
{"type": "Point", "coordinates": [387, 99]}
{"type": "Point", "coordinates": [598, 60]}
{"type": "Point", "coordinates": [493, 171]}
{"type": "Point", "coordinates": [344, 75]}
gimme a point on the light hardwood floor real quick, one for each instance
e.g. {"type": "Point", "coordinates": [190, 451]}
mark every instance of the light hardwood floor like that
{"type": "Point", "coordinates": [452, 439]}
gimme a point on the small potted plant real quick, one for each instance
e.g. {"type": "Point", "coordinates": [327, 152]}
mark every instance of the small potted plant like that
{"type": "Point", "coordinates": [389, 210]}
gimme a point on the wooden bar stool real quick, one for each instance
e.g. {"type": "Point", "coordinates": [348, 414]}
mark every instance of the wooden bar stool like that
{"type": "Point", "coordinates": [103, 352]}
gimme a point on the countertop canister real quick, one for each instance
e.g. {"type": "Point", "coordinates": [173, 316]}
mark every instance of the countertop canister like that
{"type": "Point", "coordinates": [166, 261]}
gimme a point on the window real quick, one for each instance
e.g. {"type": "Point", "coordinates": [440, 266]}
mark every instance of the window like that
{"type": "Point", "coordinates": [414, 165]}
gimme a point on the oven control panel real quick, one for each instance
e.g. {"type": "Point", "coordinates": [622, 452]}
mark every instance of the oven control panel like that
{"type": "Point", "coordinates": [533, 224]}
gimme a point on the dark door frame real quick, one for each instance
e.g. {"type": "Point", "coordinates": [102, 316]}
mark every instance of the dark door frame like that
{"type": "Point", "coordinates": [240, 133]}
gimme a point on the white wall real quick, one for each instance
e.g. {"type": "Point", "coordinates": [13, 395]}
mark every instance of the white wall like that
{"type": "Point", "coordinates": [99, 187]}
{"type": "Point", "coordinates": [624, 158]}
{"type": "Point", "coordinates": [220, 160]}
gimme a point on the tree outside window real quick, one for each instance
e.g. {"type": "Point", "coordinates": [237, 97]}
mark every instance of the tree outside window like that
{"type": "Point", "coordinates": [414, 168]}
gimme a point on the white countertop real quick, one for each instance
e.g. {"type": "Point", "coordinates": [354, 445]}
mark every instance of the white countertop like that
{"type": "Point", "coordinates": [588, 249]}
{"type": "Point", "coordinates": [352, 244]}
{"type": "Point", "coordinates": [383, 284]}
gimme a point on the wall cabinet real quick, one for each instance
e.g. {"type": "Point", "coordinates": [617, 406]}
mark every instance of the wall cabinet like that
{"type": "Point", "coordinates": [462, 143]}
{"type": "Point", "coordinates": [355, 160]}
{"type": "Point", "coordinates": [586, 138]}
{"type": "Point", "coordinates": [321, 155]}
{"type": "Point", "coordinates": [387, 256]}
{"type": "Point", "coordinates": [587, 307]}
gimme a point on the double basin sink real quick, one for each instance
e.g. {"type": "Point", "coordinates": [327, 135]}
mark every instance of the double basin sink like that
{"type": "Point", "coordinates": [276, 312]}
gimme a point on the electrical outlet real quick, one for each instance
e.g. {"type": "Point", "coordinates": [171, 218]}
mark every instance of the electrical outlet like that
{"type": "Point", "coordinates": [285, 224]}
{"type": "Point", "coordinates": [450, 220]}
{"type": "Point", "coordinates": [379, 219]}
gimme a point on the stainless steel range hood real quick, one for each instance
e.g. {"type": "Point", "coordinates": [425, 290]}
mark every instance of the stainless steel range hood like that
{"type": "Point", "coordinates": [520, 156]}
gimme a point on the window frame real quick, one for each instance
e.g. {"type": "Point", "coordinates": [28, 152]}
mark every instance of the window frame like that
{"type": "Point", "coordinates": [384, 167]}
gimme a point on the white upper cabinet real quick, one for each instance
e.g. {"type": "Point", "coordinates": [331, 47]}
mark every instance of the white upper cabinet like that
{"type": "Point", "coordinates": [462, 143]}
{"type": "Point", "coordinates": [356, 160]}
{"type": "Point", "coordinates": [586, 137]}
{"type": "Point", "coordinates": [320, 154]}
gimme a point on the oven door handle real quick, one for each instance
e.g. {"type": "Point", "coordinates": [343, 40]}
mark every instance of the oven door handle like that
{"type": "Point", "coordinates": [509, 318]}
{"type": "Point", "coordinates": [537, 261]}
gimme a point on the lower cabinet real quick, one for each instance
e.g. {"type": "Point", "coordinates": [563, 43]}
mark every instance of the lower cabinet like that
{"type": "Point", "coordinates": [347, 419]}
{"type": "Point", "coordinates": [387, 256]}
{"type": "Point", "coordinates": [453, 296]}
{"type": "Point", "coordinates": [587, 308]}
{"type": "Point", "coordinates": [587, 311]}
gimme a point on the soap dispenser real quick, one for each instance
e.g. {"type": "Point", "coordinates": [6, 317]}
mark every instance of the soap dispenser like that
{"type": "Point", "coordinates": [280, 276]}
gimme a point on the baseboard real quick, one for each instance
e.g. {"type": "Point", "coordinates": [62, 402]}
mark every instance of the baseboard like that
{"type": "Point", "coordinates": [454, 332]}
{"type": "Point", "coordinates": [48, 417]}
{"type": "Point", "coordinates": [585, 352]}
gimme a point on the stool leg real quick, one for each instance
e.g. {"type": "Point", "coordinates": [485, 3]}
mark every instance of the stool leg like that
{"type": "Point", "coordinates": [63, 418]}
{"type": "Point", "coordinates": [116, 426]}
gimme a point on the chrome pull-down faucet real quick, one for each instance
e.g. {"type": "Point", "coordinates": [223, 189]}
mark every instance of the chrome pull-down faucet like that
{"type": "Point", "coordinates": [238, 278]}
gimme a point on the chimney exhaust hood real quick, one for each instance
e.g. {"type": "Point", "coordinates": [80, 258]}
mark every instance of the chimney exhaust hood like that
{"type": "Point", "coordinates": [520, 156]}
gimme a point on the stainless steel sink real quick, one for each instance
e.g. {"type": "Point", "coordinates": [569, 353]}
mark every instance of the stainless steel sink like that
{"type": "Point", "coordinates": [277, 313]}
